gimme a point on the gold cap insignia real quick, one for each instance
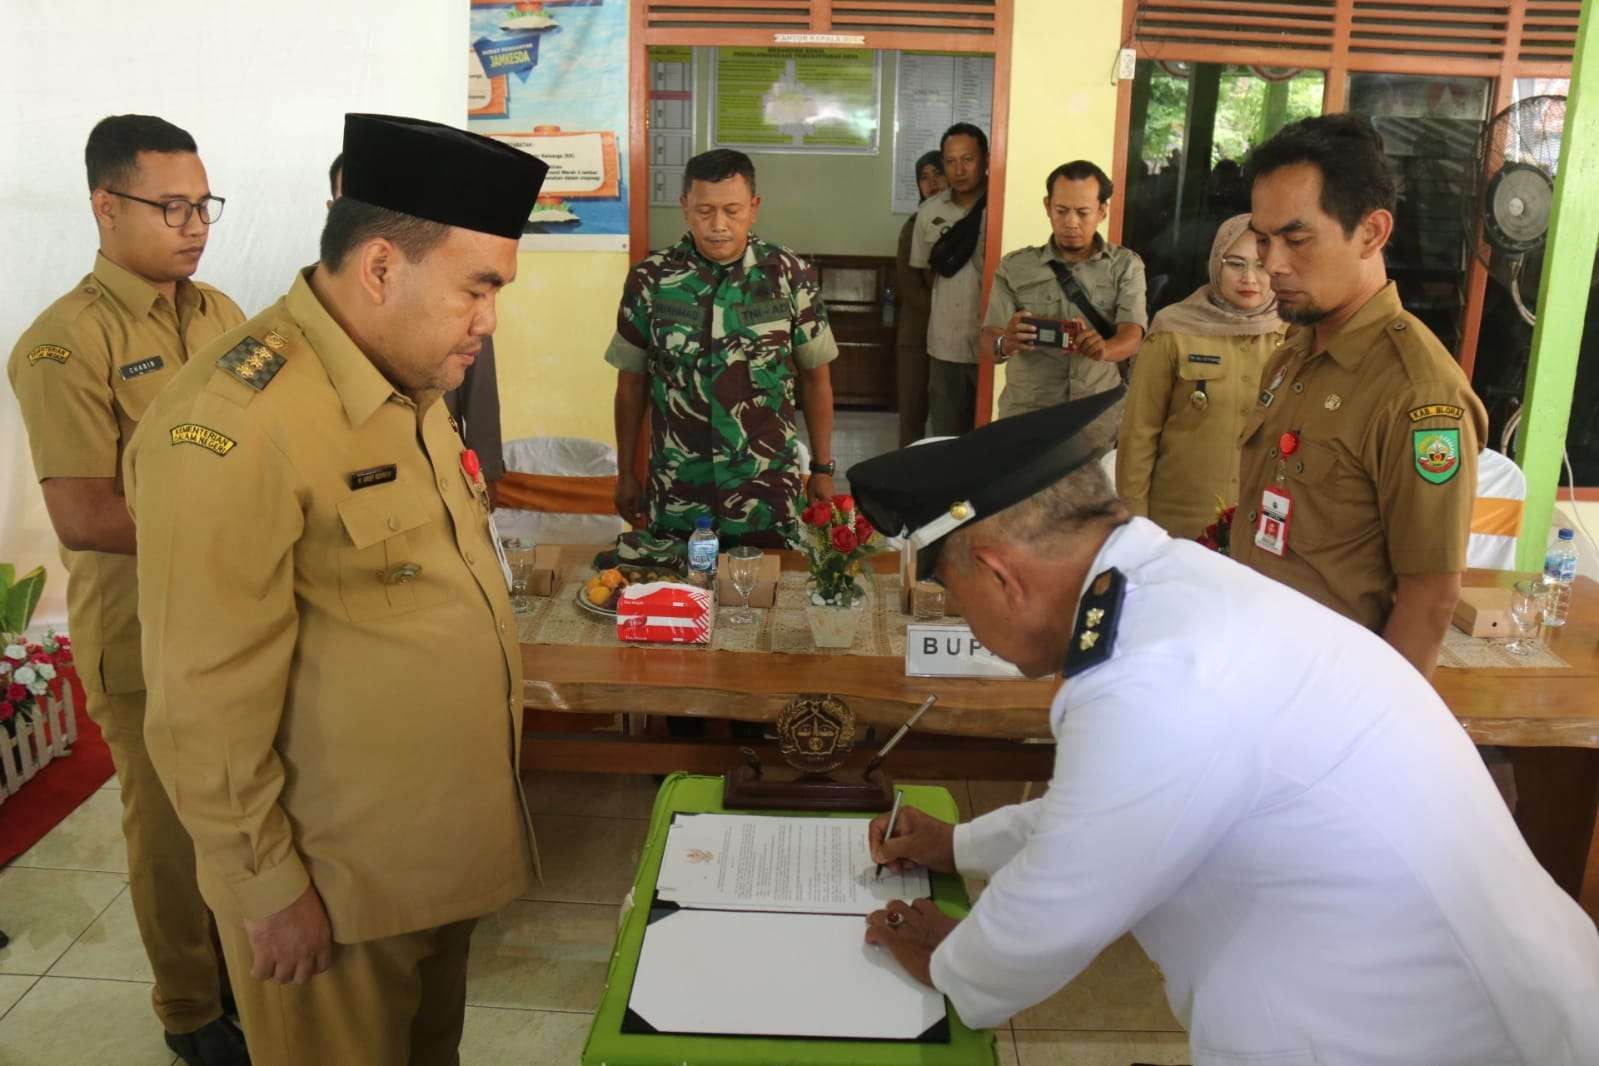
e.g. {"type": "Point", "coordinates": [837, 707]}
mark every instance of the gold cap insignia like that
{"type": "Point", "coordinates": [960, 512]}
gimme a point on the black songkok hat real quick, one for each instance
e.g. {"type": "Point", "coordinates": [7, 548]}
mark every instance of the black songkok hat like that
{"type": "Point", "coordinates": [927, 491]}
{"type": "Point", "coordinates": [440, 173]}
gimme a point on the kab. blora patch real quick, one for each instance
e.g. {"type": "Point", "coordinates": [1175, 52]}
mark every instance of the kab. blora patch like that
{"type": "Point", "coordinates": [1437, 454]}
{"type": "Point", "coordinates": [53, 352]}
{"type": "Point", "coordinates": [204, 436]}
{"type": "Point", "coordinates": [1437, 410]}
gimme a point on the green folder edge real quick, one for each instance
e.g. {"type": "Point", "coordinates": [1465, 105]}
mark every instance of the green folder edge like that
{"type": "Point", "coordinates": [607, 1045]}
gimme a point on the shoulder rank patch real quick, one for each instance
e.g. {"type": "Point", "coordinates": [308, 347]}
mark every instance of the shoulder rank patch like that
{"type": "Point", "coordinates": [252, 363]}
{"type": "Point", "coordinates": [204, 436]}
{"type": "Point", "coordinates": [1094, 637]}
{"type": "Point", "coordinates": [1437, 454]}
{"type": "Point", "coordinates": [1437, 410]}
{"type": "Point", "coordinates": [53, 352]}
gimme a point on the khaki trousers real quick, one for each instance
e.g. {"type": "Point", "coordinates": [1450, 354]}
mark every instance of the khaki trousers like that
{"type": "Point", "coordinates": [398, 1001]}
{"type": "Point", "coordinates": [910, 387]}
{"type": "Point", "coordinates": [951, 397]}
{"type": "Point", "coordinates": [173, 919]}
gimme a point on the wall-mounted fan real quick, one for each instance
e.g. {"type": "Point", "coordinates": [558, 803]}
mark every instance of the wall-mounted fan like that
{"type": "Point", "coordinates": [1507, 217]}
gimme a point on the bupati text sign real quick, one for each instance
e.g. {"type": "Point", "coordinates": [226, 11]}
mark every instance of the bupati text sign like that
{"type": "Point", "coordinates": [950, 651]}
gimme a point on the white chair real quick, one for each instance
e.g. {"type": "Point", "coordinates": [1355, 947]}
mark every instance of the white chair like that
{"type": "Point", "coordinates": [1496, 513]}
{"type": "Point", "coordinates": [567, 498]}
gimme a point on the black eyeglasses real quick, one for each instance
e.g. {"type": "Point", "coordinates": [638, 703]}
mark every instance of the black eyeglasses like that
{"type": "Point", "coordinates": [178, 212]}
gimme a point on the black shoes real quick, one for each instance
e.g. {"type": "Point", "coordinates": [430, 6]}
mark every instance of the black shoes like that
{"type": "Point", "coordinates": [218, 1044]}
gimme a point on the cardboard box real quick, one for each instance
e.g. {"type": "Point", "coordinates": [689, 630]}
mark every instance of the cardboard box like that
{"type": "Point", "coordinates": [546, 571]}
{"type": "Point", "coordinates": [665, 613]}
{"type": "Point", "coordinates": [765, 592]}
{"type": "Point", "coordinates": [1484, 612]}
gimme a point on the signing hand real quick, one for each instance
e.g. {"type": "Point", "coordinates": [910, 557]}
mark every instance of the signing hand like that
{"type": "Point", "coordinates": [919, 840]}
{"type": "Point", "coordinates": [629, 494]}
{"type": "Point", "coordinates": [1089, 344]}
{"type": "Point", "coordinates": [911, 933]}
{"type": "Point", "coordinates": [820, 487]}
{"type": "Point", "coordinates": [293, 945]}
{"type": "Point", "coordinates": [1019, 336]}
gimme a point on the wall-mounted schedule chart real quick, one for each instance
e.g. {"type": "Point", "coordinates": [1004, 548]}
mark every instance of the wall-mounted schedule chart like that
{"type": "Point", "coordinates": [931, 94]}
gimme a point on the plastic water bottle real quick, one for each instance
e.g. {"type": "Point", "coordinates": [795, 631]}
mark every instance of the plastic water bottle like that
{"type": "Point", "coordinates": [1559, 571]}
{"type": "Point", "coordinates": [703, 548]}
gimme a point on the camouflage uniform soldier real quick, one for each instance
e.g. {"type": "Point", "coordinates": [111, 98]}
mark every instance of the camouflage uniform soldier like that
{"type": "Point", "coordinates": [712, 332]}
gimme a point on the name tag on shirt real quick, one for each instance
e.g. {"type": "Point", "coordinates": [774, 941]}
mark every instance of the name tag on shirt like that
{"type": "Point", "coordinates": [1271, 532]}
{"type": "Point", "coordinates": [1209, 360]}
{"type": "Point", "coordinates": [373, 475]}
{"type": "Point", "coordinates": [141, 368]}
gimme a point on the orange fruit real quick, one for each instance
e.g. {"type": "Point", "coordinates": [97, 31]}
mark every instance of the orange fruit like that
{"type": "Point", "coordinates": [612, 579]}
{"type": "Point", "coordinates": [598, 595]}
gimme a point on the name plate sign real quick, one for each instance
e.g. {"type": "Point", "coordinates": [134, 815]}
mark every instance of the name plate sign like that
{"type": "Point", "coordinates": [944, 650]}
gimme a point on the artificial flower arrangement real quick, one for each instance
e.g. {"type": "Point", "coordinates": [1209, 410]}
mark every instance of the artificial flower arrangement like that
{"type": "Point", "coordinates": [30, 671]}
{"type": "Point", "coordinates": [837, 540]}
{"type": "Point", "coordinates": [1218, 535]}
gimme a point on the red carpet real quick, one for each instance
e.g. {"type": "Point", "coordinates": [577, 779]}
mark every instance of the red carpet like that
{"type": "Point", "coordinates": [58, 789]}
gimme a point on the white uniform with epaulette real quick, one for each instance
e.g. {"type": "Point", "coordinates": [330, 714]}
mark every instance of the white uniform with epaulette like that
{"type": "Point", "coordinates": [1323, 872]}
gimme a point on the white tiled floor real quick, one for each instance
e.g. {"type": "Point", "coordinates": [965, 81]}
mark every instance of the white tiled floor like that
{"type": "Point", "coordinates": [75, 986]}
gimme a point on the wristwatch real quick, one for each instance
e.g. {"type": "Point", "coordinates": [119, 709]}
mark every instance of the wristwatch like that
{"type": "Point", "coordinates": [999, 349]}
{"type": "Point", "coordinates": [823, 468]}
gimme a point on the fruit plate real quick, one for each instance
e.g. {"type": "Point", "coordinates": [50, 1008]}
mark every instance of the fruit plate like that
{"type": "Point", "coordinates": [635, 575]}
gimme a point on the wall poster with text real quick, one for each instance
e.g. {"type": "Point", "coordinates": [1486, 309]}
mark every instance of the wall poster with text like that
{"type": "Point", "coordinates": [550, 77]}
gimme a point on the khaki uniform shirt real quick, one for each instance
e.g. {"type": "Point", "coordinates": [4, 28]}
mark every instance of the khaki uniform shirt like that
{"type": "Point", "coordinates": [1113, 278]}
{"type": "Point", "coordinates": [1385, 474]}
{"type": "Point", "coordinates": [956, 312]}
{"type": "Point", "coordinates": [1177, 454]}
{"type": "Point", "coordinates": [84, 373]}
{"type": "Point", "coordinates": [334, 675]}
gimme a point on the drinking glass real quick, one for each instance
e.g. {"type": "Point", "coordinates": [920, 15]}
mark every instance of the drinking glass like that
{"type": "Point", "coordinates": [927, 601]}
{"type": "Point", "coordinates": [1526, 616]}
{"type": "Point", "coordinates": [519, 556]}
{"type": "Point", "coordinates": [743, 570]}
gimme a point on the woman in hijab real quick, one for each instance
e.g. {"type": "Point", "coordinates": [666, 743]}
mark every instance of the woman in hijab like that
{"type": "Point", "coordinates": [1194, 381]}
{"type": "Point", "coordinates": [915, 303]}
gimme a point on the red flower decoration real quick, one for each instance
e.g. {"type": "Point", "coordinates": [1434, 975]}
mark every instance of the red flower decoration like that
{"type": "Point", "coordinates": [6, 711]}
{"type": "Point", "coordinates": [819, 513]}
{"type": "Point", "coordinates": [16, 693]}
{"type": "Point", "coordinates": [844, 539]}
{"type": "Point", "coordinates": [41, 657]}
{"type": "Point", "coordinates": [863, 529]}
{"type": "Point", "coordinates": [844, 503]}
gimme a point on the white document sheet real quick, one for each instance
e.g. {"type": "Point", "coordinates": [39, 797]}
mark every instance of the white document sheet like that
{"type": "Point", "coordinates": [772, 974]}
{"type": "Point", "coordinates": [754, 862]}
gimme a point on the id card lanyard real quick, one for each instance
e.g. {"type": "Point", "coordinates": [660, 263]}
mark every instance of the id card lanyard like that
{"type": "Point", "coordinates": [472, 467]}
{"type": "Point", "coordinates": [1276, 502]}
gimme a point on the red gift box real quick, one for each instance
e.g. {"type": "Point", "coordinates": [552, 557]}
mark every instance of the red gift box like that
{"type": "Point", "coordinates": [665, 613]}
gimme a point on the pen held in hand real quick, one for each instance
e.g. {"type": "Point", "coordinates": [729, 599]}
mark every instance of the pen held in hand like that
{"type": "Point", "coordinates": [893, 816]}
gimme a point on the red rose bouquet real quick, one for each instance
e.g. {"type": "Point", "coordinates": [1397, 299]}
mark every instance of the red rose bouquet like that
{"type": "Point", "coordinates": [837, 539]}
{"type": "Point", "coordinates": [1219, 534]}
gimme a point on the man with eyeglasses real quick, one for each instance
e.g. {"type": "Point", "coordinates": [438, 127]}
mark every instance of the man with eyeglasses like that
{"type": "Point", "coordinates": [1075, 275]}
{"type": "Point", "coordinates": [84, 373]}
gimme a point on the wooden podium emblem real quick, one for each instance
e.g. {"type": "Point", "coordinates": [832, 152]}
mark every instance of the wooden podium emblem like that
{"type": "Point", "coordinates": [815, 733]}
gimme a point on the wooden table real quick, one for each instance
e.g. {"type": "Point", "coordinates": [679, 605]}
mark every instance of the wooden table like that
{"type": "Point", "coordinates": [999, 730]}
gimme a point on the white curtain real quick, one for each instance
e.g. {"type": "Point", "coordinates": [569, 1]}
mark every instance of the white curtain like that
{"type": "Point", "coordinates": [263, 88]}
